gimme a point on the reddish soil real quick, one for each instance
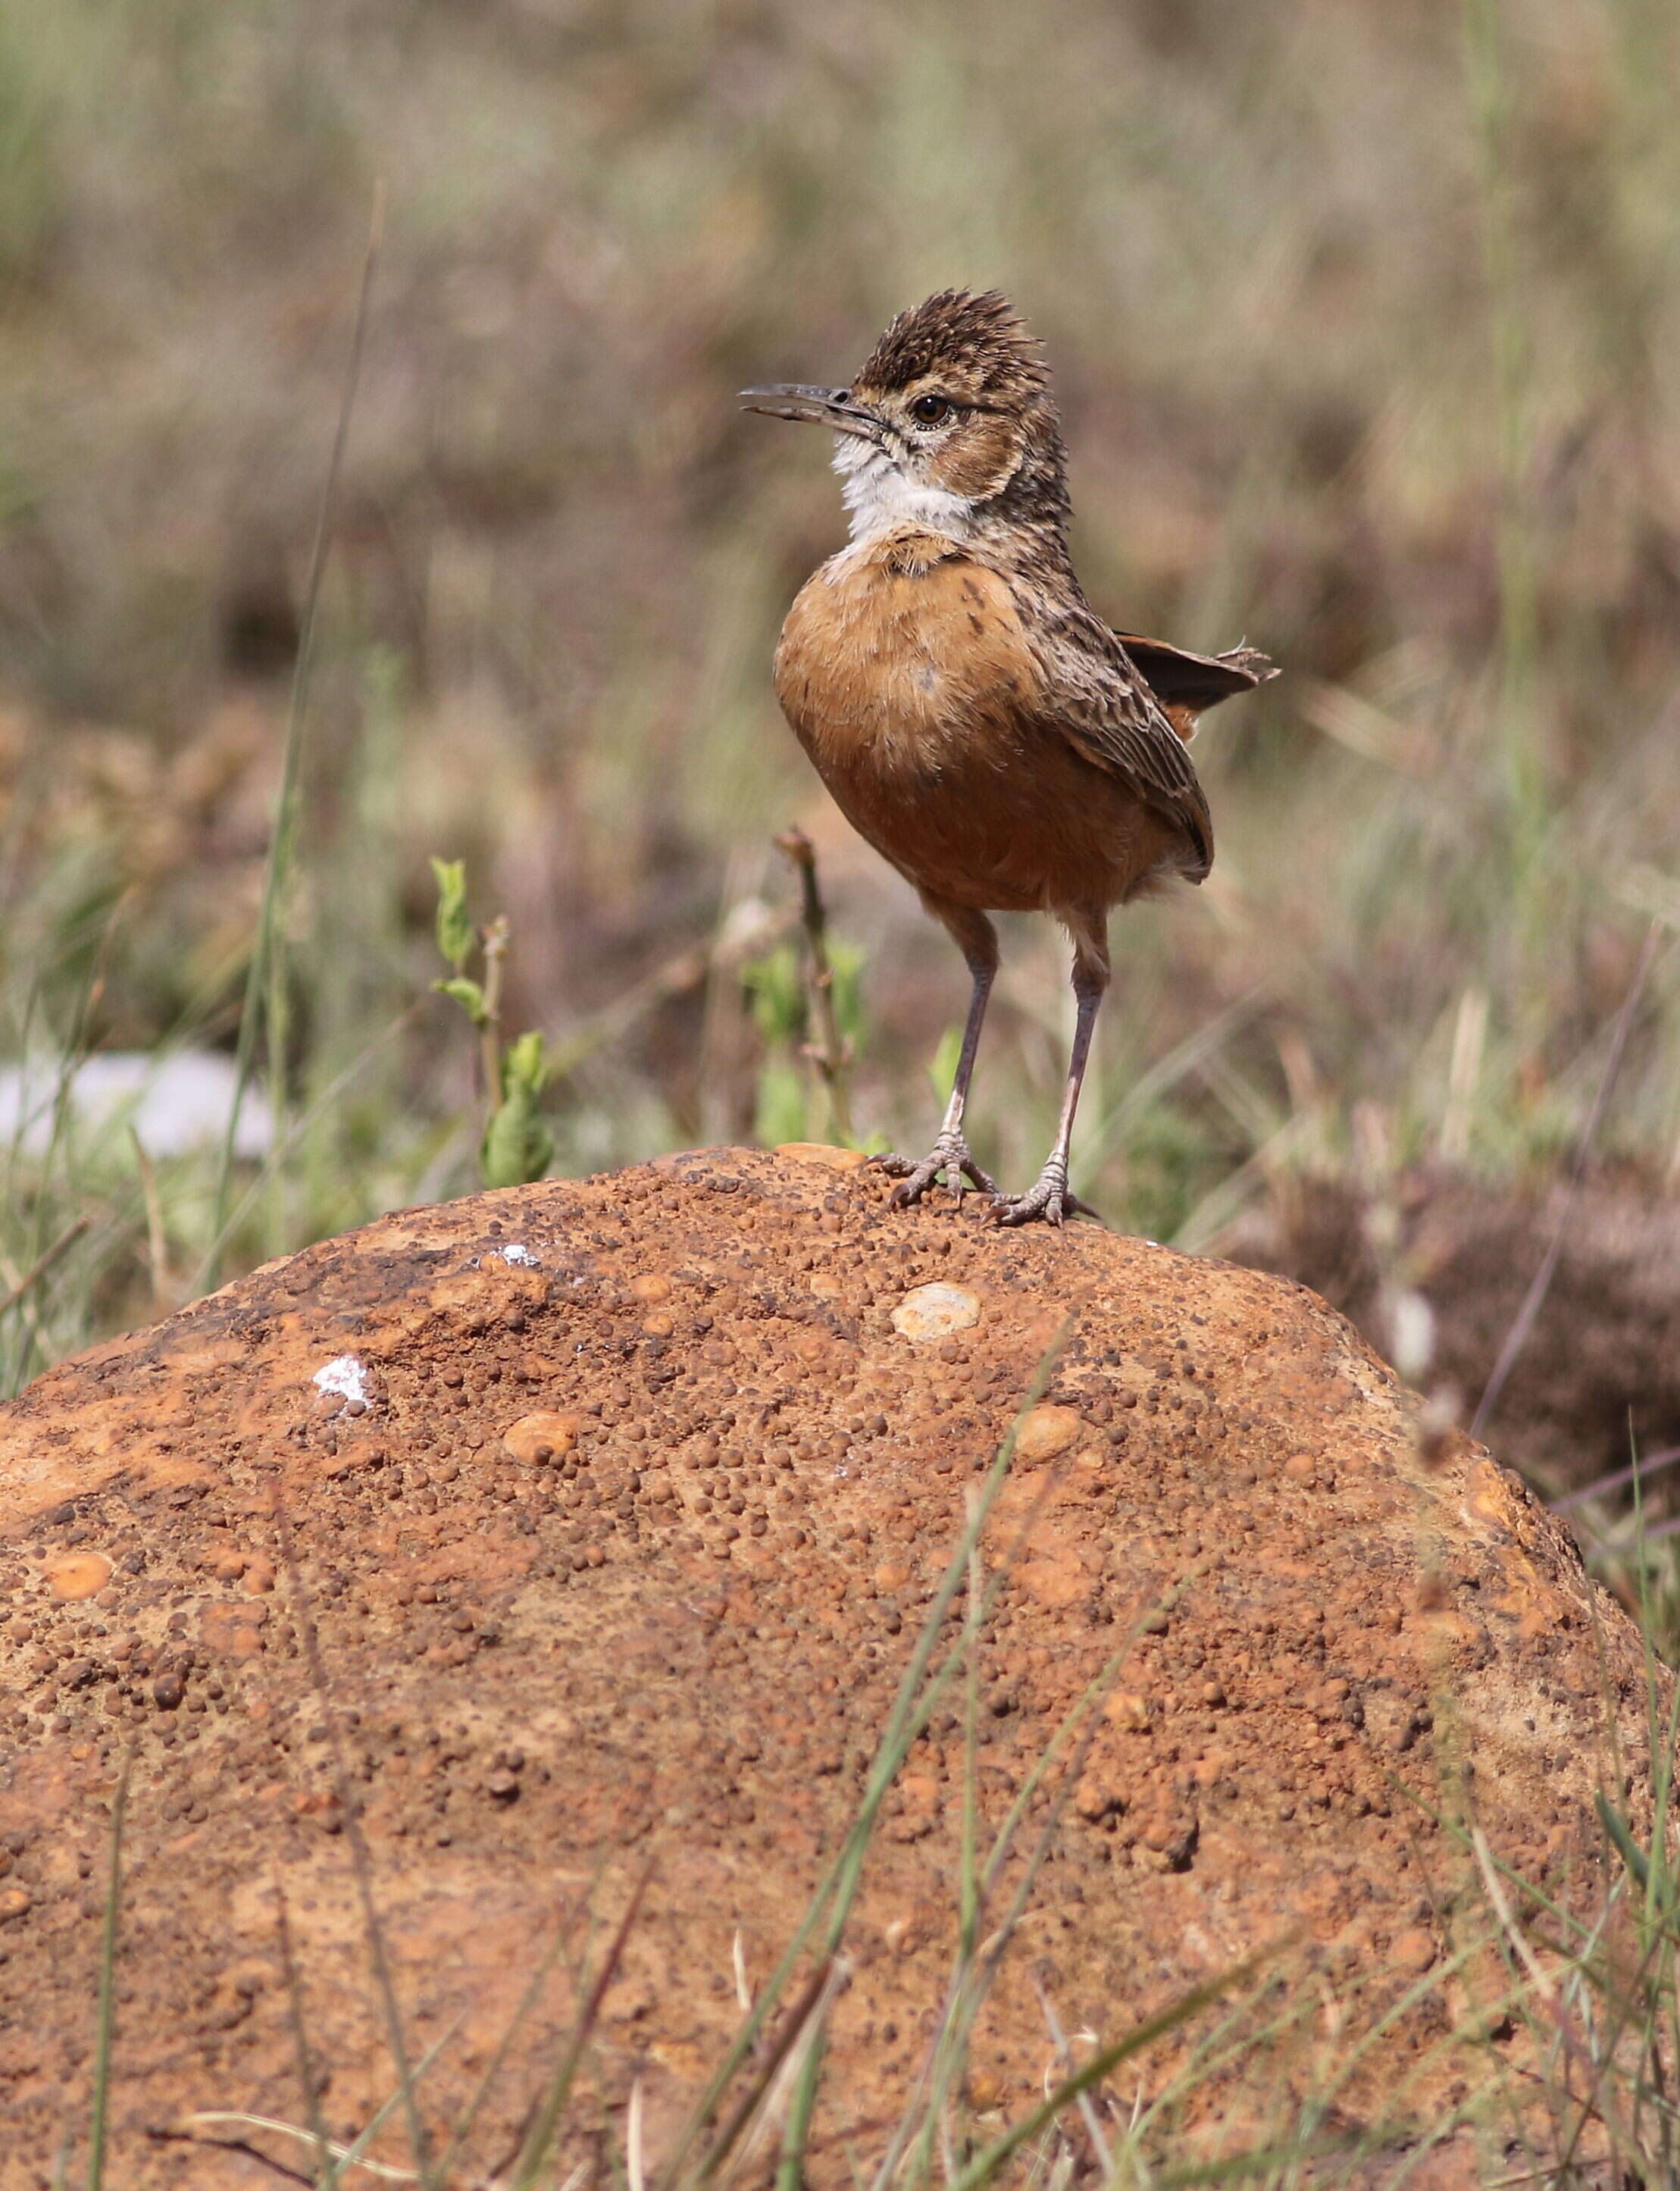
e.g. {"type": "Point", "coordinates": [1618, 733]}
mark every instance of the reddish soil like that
{"type": "Point", "coordinates": [616, 1550]}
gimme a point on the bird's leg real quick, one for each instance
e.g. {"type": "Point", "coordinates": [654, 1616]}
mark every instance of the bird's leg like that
{"type": "Point", "coordinates": [950, 1153]}
{"type": "Point", "coordinates": [1051, 1197]}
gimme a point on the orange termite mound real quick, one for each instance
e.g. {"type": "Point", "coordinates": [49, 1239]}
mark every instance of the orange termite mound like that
{"type": "Point", "coordinates": [616, 1507]}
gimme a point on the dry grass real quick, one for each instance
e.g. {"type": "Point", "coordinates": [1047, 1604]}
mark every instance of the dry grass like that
{"type": "Point", "coordinates": [1364, 328]}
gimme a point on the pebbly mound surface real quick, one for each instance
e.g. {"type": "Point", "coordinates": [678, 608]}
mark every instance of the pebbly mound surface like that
{"type": "Point", "coordinates": [616, 1506]}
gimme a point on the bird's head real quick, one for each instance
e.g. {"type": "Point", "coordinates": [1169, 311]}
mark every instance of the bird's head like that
{"type": "Point", "coordinates": [950, 423]}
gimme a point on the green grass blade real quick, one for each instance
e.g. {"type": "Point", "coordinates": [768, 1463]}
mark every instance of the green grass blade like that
{"type": "Point", "coordinates": [540, 2136]}
{"type": "Point", "coordinates": [351, 2156]}
{"type": "Point", "coordinates": [1626, 1846]}
{"type": "Point", "coordinates": [1104, 2063]}
{"type": "Point", "coordinates": [264, 970]}
{"type": "Point", "coordinates": [527, 2002]}
{"type": "Point", "coordinates": [912, 1705]}
{"type": "Point", "coordinates": [900, 1733]}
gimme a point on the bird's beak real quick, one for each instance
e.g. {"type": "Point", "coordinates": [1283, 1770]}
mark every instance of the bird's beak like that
{"type": "Point", "coordinates": [836, 407]}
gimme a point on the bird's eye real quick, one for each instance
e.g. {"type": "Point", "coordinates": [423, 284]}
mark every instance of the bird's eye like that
{"type": "Point", "coordinates": [930, 409]}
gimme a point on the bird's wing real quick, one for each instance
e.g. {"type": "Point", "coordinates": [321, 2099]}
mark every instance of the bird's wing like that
{"type": "Point", "coordinates": [1101, 703]}
{"type": "Point", "coordinates": [1180, 678]}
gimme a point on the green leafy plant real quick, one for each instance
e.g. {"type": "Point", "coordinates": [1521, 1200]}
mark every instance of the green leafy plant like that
{"type": "Point", "coordinates": [795, 1097]}
{"type": "Point", "coordinates": [517, 1145]}
{"type": "Point", "coordinates": [942, 1069]}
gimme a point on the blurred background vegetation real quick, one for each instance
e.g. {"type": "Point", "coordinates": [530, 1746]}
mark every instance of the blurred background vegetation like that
{"type": "Point", "coordinates": [1366, 329]}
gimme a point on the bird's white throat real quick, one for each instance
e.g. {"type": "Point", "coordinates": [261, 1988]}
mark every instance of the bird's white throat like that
{"type": "Point", "coordinates": [881, 498]}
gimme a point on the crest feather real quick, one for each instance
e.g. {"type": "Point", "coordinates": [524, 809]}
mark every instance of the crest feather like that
{"type": "Point", "coordinates": [983, 340]}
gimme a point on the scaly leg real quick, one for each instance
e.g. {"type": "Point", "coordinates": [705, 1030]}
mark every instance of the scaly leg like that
{"type": "Point", "coordinates": [978, 941]}
{"type": "Point", "coordinates": [1051, 1198]}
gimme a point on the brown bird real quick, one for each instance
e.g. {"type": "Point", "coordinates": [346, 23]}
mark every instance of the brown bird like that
{"type": "Point", "coordinates": [973, 717]}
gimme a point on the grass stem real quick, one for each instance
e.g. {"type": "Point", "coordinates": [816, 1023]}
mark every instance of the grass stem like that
{"type": "Point", "coordinates": [828, 1049]}
{"type": "Point", "coordinates": [265, 975]}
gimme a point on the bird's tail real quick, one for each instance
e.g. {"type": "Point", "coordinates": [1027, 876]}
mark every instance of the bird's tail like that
{"type": "Point", "coordinates": [1186, 685]}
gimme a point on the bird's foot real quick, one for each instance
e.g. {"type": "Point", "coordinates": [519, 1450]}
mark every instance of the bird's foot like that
{"type": "Point", "coordinates": [1052, 1200]}
{"type": "Point", "coordinates": [949, 1154]}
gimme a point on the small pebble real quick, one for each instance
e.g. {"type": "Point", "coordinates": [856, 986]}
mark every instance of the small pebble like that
{"type": "Point", "coordinates": [934, 1311]}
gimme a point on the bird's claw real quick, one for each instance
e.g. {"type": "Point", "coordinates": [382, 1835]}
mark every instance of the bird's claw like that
{"type": "Point", "coordinates": [950, 1155]}
{"type": "Point", "coordinates": [1052, 1200]}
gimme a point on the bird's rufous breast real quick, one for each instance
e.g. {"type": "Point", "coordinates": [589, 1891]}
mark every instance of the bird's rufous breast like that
{"type": "Point", "coordinates": [897, 654]}
{"type": "Point", "coordinates": [907, 673]}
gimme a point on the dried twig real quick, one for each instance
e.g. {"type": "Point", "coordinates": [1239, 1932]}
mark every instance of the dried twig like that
{"type": "Point", "coordinates": [167, 2134]}
{"type": "Point", "coordinates": [1640, 1472]}
{"type": "Point", "coordinates": [829, 1052]}
{"type": "Point", "coordinates": [765, 2097]}
{"type": "Point", "coordinates": [32, 1278]}
{"type": "Point", "coordinates": [210, 2118]}
{"type": "Point", "coordinates": [1066, 2063]}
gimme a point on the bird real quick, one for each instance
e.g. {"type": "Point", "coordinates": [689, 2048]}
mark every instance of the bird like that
{"type": "Point", "coordinates": [972, 716]}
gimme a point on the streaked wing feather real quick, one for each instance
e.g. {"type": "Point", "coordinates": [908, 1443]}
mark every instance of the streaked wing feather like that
{"type": "Point", "coordinates": [1100, 703]}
